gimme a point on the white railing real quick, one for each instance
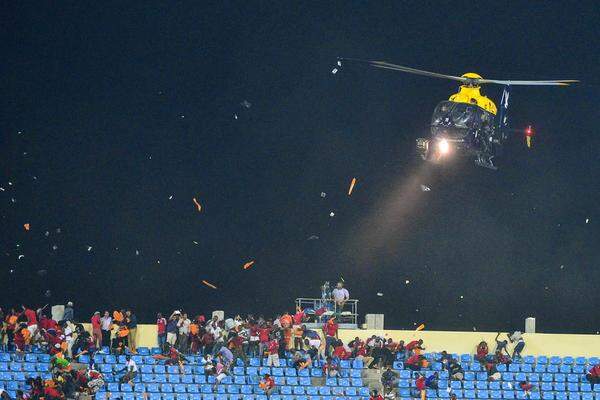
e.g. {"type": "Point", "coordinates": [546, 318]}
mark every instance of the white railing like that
{"type": "Point", "coordinates": [326, 308]}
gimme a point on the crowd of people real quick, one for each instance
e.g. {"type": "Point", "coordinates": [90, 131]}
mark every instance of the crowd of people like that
{"type": "Point", "coordinates": [225, 343]}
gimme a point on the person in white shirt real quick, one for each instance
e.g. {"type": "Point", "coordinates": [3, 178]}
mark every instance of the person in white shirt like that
{"type": "Point", "coordinates": [105, 325]}
{"type": "Point", "coordinates": [184, 332]}
{"type": "Point", "coordinates": [340, 296]}
{"type": "Point", "coordinates": [131, 370]}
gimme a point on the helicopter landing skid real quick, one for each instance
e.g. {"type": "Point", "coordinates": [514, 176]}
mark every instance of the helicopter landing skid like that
{"type": "Point", "coordinates": [485, 162]}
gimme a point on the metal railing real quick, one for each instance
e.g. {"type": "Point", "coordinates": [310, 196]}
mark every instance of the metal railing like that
{"type": "Point", "coordinates": [320, 310]}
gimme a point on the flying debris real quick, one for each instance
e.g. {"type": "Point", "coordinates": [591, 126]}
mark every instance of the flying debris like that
{"type": "Point", "coordinates": [339, 63]}
{"type": "Point", "coordinates": [235, 116]}
{"type": "Point", "coordinates": [420, 327]}
{"type": "Point", "coordinates": [210, 285]}
{"type": "Point", "coordinates": [379, 294]}
{"type": "Point", "coordinates": [26, 226]}
{"type": "Point", "coordinates": [47, 233]}
{"type": "Point", "coordinates": [54, 247]}
{"type": "Point", "coordinates": [332, 214]}
{"type": "Point", "coordinates": [313, 237]}
{"type": "Point", "coordinates": [462, 297]}
{"type": "Point", "coordinates": [246, 104]}
{"type": "Point", "coordinates": [137, 252]}
{"type": "Point", "coordinates": [248, 264]}
{"type": "Point", "coordinates": [587, 220]}
{"type": "Point", "coordinates": [193, 241]}
{"type": "Point", "coordinates": [198, 206]}
{"type": "Point", "coordinates": [407, 281]}
{"type": "Point", "coordinates": [425, 188]}
{"type": "Point", "coordinates": [323, 194]}
{"type": "Point", "coordinates": [89, 248]}
{"type": "Point", "coordinates": [171, 197]}
{"type": "Point", "coordinates": [351, 186]}
{"type": "Point", "coordinates": [334, 71]}
{"type": "Point", "coordinates": [21, 256]}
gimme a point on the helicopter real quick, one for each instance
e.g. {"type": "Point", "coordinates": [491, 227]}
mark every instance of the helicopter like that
{"type": "Point", "coordinates": [468, 123]}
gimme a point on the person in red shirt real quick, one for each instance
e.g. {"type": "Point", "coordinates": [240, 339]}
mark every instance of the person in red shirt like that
{"type": "Point", "coordinates": [482, 352]}
{"type": "Point", "coordinates": [253, 340]}
{"type": "Point", "coordinates": [273, 359]}
{"type": "Point", "coordinates": [263, 337]}
{"type": "Point", "coordinates": [414, 362]}
{"type": "Point", "coordinates": [52, 393]}
{"type": "Point", "coordinates": [593, 376]}
{"type": "Point", "coordinates": [420, 385]}
{"type": "Point", "coordinates": [375, 395]}
{"type": "Point", "coordinates": [161, 330]}
{"type": "Point", "coordinates": [267, 384]}
{"type": "Point", "coordinates": [299, 316]}
{"type": "Point", "coordinates": [340, 352]}
{"type": "Point", "coordinates": [415, 346]}
{"type": "Point", "coordinates": [96, 330]}
{"type": "Point", "coordinates": [525, 386]}
{"type": "Point", "coordinates": [330, 330]}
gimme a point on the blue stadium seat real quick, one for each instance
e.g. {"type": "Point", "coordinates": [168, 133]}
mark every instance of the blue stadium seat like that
{"type": "Point", "coordinates": [290, 372]}
{"type": "Point", "coordinates": [508, 394]}
{"type": "Point", "coordinates": [552, 368]}
{"type": "Point", "coordinates": [173, 378]}
{"type": "Point", "coordinates": [581, 361]}
{"type": "Point", "coordinates": [542, 360]}
{"type": "Point", "coordinates": [312, 390]}
{"type": "Point", "coordinates": [470, 385]}
{"type": "Point", "coordinates": [469, 394]}
{"type": "Point", "coordinates": [495, 394]}
{"type": "Point", "coordinates": [529, 360]}
{"type": "Point", "coordinates": [298, 390]}
{"type": "Point", "coordinates": [560, 396]}
{"type": "Point", "coordinates": [574, 396]}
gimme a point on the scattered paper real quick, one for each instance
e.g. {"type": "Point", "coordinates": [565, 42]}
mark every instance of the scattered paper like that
{"type": "Point", "coordinates": [249, 264]}
{"type": "Point", "coordinates": [339, 63]}
{"type": "Point", "coordinates": [313, 237]}
{"type": "Point", "coordinates": [246, 104]}
{"type": "Point", "coordinates": [323, 194]}
{"type": "Point", "coordinates": [89, 248]}
{"type": "Point", "coordinates": [210, 285]}
{"type": "Point", "coordinates": [171, 197]}
{"type": "Point", "coordinates": [137, 252]}
{"type": "Point", "coordinates": [462, 297]}
{"type": "Point", "coordinates": [198, 206]}
{"type": "Point", "coordinates": [334, 71]}
{"type": "Point", "coordinates": [342, 279]}
{"type": "Point", "coordinates": [425, 188]}
{"type": "Point", "coordinates": [235, 116]}
{"type": "Point", "coordinates": [26, 226]}
{"type": "Point", "coordinates": [351, 186]}
{"type": "Point", "coordinates": [407, 281]}
{"type": "Point", "coordinates": [20, 256]}
{"type": "Point", "coordinates": [587, 220]}
{"type": "Point", "coordinates": [332, 214]}
{"type": "Point", "coordinates": [193, 241]}
{"type": "Point", "coordinates": [379, 294]}
{"type": "Point", "coordinates": [54, 247]}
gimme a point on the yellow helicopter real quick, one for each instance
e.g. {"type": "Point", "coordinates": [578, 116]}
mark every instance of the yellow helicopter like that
{"type": "Point", "coordinates": [468, 123]}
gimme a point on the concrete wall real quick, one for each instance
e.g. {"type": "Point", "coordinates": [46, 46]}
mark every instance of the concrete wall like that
{"type": "Point", "coordinates": [454, 342]}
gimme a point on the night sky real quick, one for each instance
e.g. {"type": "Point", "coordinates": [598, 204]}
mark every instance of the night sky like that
{"type": "Point", "coordinates": [110, 108]}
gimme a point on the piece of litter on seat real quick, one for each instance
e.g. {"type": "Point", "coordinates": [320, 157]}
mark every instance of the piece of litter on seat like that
{"type": "Point", "coordinates": [334, 71]}
{"type": "Point", "coordinates": [323, 194]}
{"type": "Point", "coordinates": [425, 188]}
{"type": "Point", "coordinates": [379, 294]}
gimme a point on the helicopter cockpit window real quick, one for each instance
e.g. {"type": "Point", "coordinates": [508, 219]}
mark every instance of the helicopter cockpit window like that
{"type": "Point", "coordinates": [441, 114]}
{"type": "Point", "coordinates": [462, 115]}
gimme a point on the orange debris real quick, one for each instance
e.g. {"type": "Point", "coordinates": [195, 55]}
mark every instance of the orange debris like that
{"type": "Point", "coordinates": [198, 206]}
{"type": "Point", "coordinates": [420, 327]}
{"type": "Point", "coordinates": [210, 285]}
{"type": "Point", "coordinates": [248, 264]}
{"type": "Point", "coordinates": [26, 226]}
{"type": "Point", "coordinates": [351, 186]}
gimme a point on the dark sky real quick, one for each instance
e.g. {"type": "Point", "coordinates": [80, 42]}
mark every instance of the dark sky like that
{"type": "Point", "coordinates": [108, 109]}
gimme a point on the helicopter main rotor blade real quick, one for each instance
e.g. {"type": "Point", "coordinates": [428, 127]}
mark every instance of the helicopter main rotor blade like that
{"type": "Point", "coordinates": [470, 81]}
{"type": "Point", "coordinates": [395, 67]}
{"type": "Point", "coordinates": [561, 82]}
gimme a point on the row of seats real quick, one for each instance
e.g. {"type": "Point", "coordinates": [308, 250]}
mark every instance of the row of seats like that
{"type": "Point", "coordinates": [144, 356]}
{"type": "Point", "coordinates": [504, 394]}
{"type": "Point", "coordinates": [513, 367]}
{"type": "Point", "coordinates": [236, 389]}
{"type": "Point", "coordinates": [403, 396]}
